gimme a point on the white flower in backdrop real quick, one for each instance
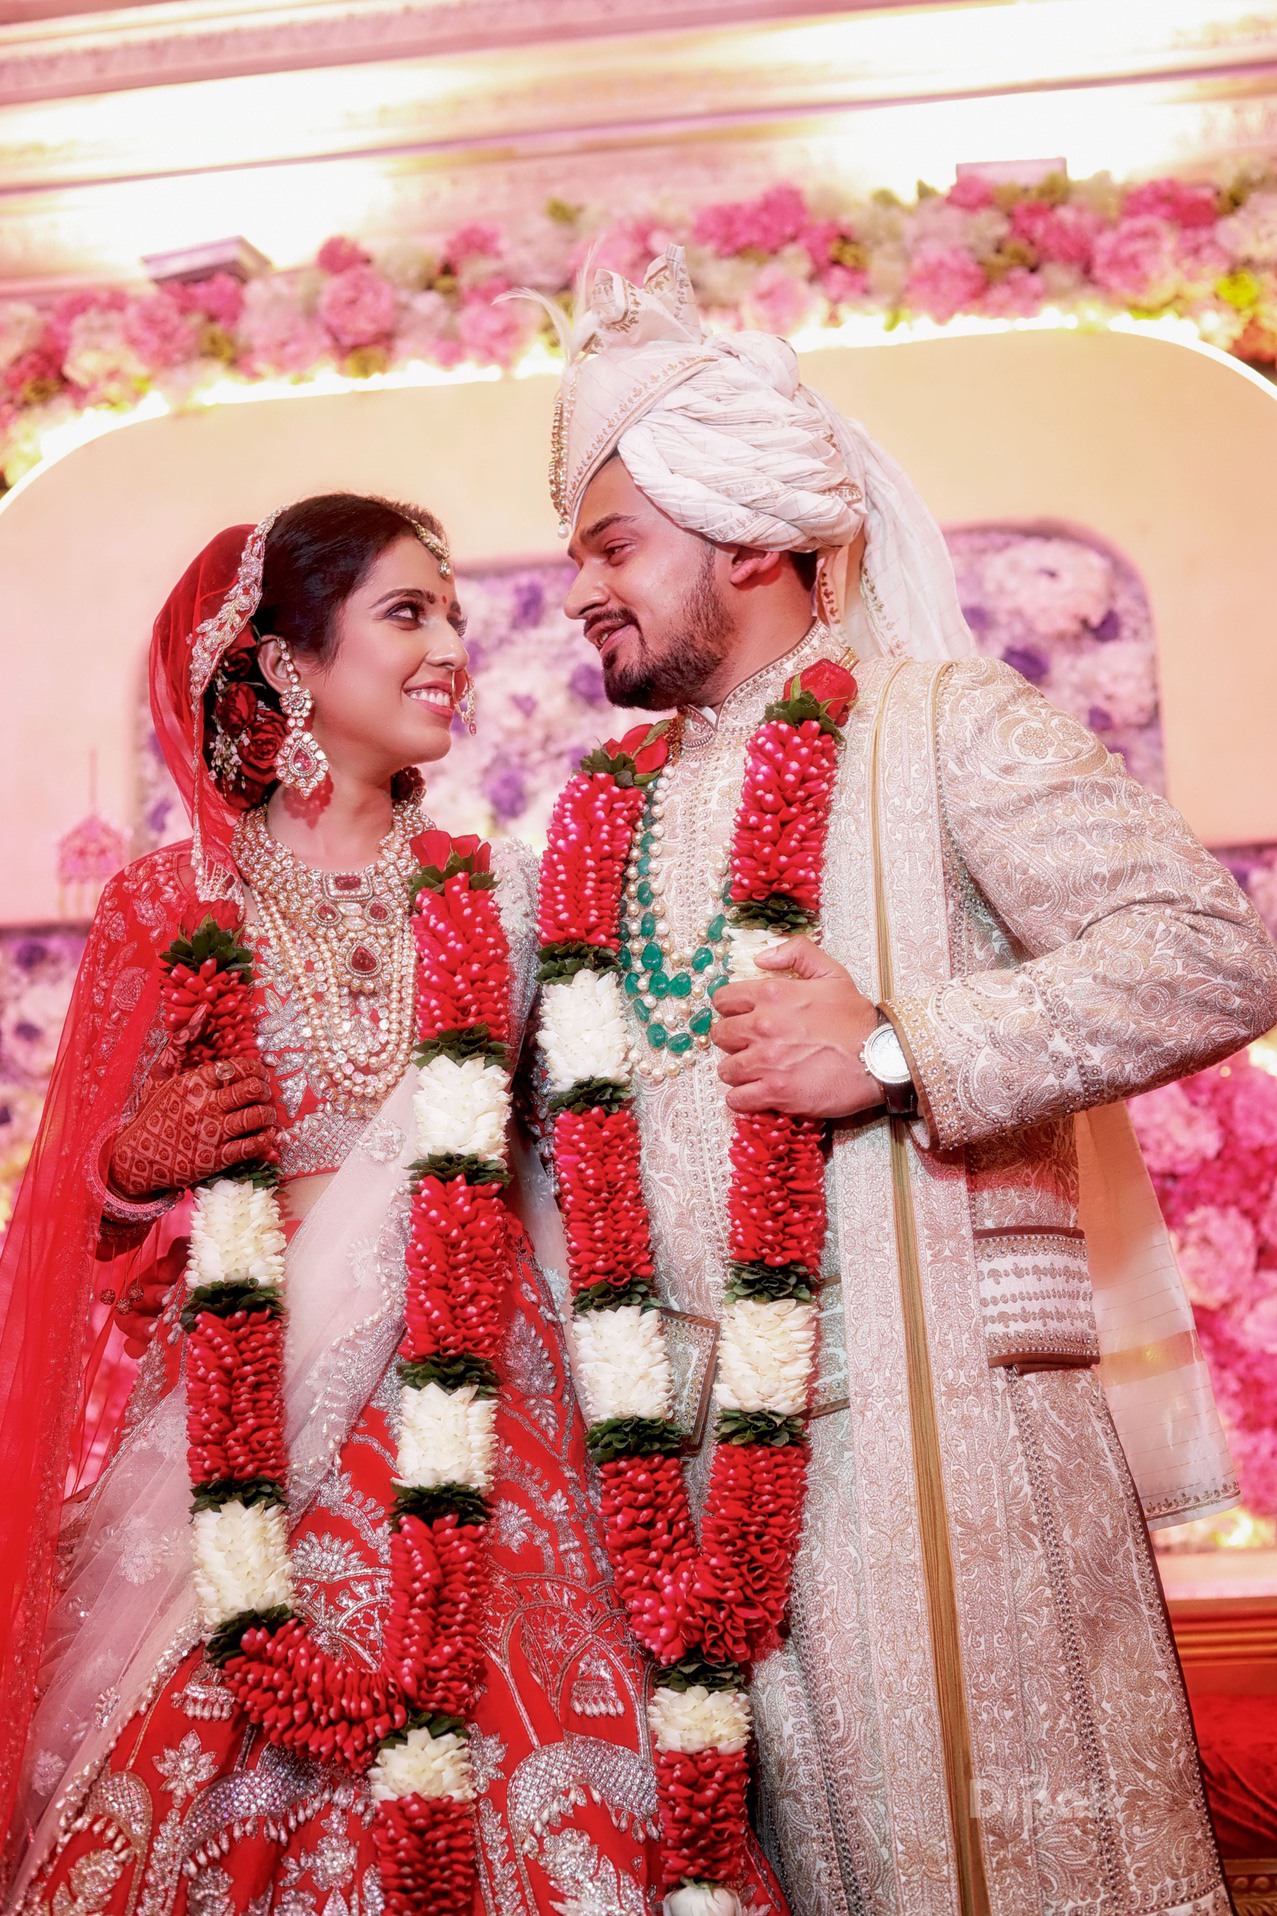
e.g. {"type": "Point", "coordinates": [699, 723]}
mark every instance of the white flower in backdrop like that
{"type": "Point", "coordinates": [1058, 586]}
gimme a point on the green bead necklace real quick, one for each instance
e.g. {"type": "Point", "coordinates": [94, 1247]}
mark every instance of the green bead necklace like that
{"type": "Point", "coordinates": [669, 992]}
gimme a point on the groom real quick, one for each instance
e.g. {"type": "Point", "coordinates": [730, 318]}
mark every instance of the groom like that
{"type": "Point", "coordinates": [979, 1710]}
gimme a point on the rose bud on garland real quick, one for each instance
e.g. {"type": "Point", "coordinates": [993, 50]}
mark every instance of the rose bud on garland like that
{"type": "Point", "coordinates": [777, 1202]}
{"type": "Point", "coordinates": [425, 1856]}
{"type": "Point", "coordinates": [604, 1218]}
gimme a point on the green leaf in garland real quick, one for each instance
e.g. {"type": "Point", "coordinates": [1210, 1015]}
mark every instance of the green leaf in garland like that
{"type": "Point", "coordinates": [449, 1373]}
{"type": "Point", "coordinates": [231, 1295]}
{"type": "Point", "coordinates": [759, 1427]}
{"type": "Point", "coordinates": [447, 1165]}
{"type": "Point", "coordinates": [776, 912]}
{"type": "Point", "coordinates": [591, 1094]}
{"type": "Point", "coordinates": [433, 1722]}
{"type": "Point", "coordinates": [692, 1673]}
{"type": "Point", "coordinates": [228, 1637]}
{"type": "Point", "coordinates": [560, 962]}
{"type": "Point", "coordinates": [468, 1506]}
{"type": "Point", "coordinates": [800, 707]}
{"type": "Point", "coordinates": [237, 1490]}
{"type": "Point", "coordinates": [772, 1282]}
{"type": "Point", "coordinates": [632, 1437]}
{"type": "Point", "coordinates": [615, 1297]}
{"type": "Point", "coordinates": [474, 1041]}
{"type": "Point", "coordinates": [210, 940]}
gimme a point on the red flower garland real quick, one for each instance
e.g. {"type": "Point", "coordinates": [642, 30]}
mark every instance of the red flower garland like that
{"type": "Point", "coordinates": [458, 1273]}
{"type": "Point", "coordinates": [712, 1606]}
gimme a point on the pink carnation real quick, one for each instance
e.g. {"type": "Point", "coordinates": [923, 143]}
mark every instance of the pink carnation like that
{"type": "Point", "coordinates": [494, 333]}
{"type": "Point", "coordinates": [1138, 261]}
{"type": "Point", "coordinates": [1063, 234]}
{"type": "Point", "coordinates": [72, 306]}
{"type": "Point", "coordinates": [1176, 1135]}
{"type": "Point", "coordinates": [475, 241]}
{"type": "Point", "coordinates": [1217, 1255]}
{"type": "Point", "coordinates": [220, 298]}
{"type": "Point", "coordinates": [358, 307]}
{"type": "Point", "coordinates": [1259, 1325]}
{"type": "Point", "coordinates": [160, 331]}
{"type": "Point", "coordinates": [778, 302]}
{"type": "Point", "coordinates": [971, 194]}
{"type": "Point", "coordinates": [773, 220]}
{"type": "Point", "coordinates": [1014, 296]}
{"type": "Point", "coordinates": [1254, 1112]}
{"type": "Point", "coordinates": [943, 280]}
{"type": "Point", "coordinates": [841, 283]}
{"type": "Point", "coordinates": [340, 255]}
{"type": "Point", "coordinates": [277, 336]}
{"type": "Point", "coordinates": [37, 367]}
{"type": "Point", "coordinates": [623, 247]}
{"type": "Point", "coordinates": [1172, 200]}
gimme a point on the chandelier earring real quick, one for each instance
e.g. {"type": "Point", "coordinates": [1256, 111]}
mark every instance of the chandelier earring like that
{"type": "Point", "coordinates": [302, 762]}
{"type": "Point", "coordinates": [468, 705]}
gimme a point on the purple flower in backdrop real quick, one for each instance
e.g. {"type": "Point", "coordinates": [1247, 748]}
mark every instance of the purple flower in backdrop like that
{"type": "Point", "coordinates": [30, 953]}
{"type": "Point", "coordinates": [157, 816]}
{"type": "Point", "coordinates": [1099, 719]}
{"type": "Point", "coordinates": [507, 790]}
{"type": "Point", "coordinates": [1028, 662]}
{"type": "Point", "coordinates": [977, 617]}
{"type": "Point", "coordinates": [529, 600]}
{"type": "Point", "coordinates": [586, 682]}
{"type": "Point", "coordinates": [1109, 627]}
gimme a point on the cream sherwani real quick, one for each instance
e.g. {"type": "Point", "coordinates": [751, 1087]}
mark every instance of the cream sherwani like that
{"type": "Point", "coordinates": [979, 1708]}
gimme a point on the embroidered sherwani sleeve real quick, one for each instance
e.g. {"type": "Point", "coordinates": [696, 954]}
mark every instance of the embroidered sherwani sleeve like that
{"type": "Point", "coordinates": [1133, 955]}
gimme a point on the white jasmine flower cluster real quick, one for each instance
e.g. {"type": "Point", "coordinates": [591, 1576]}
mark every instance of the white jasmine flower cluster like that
{"type": "Point", "coordinates": [424, 1765]}
{"type": "Point", "coordinates": [446, 1437]}
{"type": "Point", "coordinates": [235, 1233]}
{"type": "Point", "coordinates": [583, 1030]}
{"type": "Point", "coordinates": [622, 1363]}
{"type": "Point", "coordinates": [765, 1355]}
{"type": "Point", "coordinates": [462, 1107]}
{"type": "Point", "coordinates": [699, 1719]}
{"type": "Point", "coordinates": [702, 1899]}
{"type": "Point", "coordinates": [744, 942]}
{"type": "Point", "coordinates": [241, 1560]}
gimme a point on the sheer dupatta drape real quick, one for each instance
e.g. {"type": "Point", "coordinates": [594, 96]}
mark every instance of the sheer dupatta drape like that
{"type": "Point", "coordinates": [55, 1292]}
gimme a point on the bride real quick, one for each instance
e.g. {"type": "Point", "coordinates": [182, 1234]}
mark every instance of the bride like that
{"type": "Point", "coordinates": [409, 1686]}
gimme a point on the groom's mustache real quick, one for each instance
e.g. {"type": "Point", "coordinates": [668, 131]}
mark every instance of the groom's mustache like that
{"type": "Point", "coordinates": [598, 625]}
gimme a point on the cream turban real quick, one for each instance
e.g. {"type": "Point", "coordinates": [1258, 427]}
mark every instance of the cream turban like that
{"type": "Point", "coordinates": [721, 434]}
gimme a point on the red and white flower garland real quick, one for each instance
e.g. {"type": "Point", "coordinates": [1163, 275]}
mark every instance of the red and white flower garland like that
{"type": "Point", "coordinates": [706, 1610]}
{"type": "Point", "coordinates": [404, 1722]}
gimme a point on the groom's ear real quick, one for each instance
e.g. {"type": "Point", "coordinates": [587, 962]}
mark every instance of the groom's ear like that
{"type": "Point", "coordinates": [753, 565]}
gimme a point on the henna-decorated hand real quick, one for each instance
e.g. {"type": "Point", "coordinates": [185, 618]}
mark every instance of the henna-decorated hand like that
{"type": "Point", "coordinates": [195, 1124]}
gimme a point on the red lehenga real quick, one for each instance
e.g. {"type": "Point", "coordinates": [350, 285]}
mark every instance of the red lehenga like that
{"type": "Point", "coordinates": [138, 1790]}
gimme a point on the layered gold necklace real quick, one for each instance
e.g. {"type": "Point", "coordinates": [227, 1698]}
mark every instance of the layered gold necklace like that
{"type": "Point", "coordinates": [344, 941]}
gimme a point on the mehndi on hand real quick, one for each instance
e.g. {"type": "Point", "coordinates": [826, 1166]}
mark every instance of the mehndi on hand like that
{"type": "Point", "coordinates": [194, 1124]}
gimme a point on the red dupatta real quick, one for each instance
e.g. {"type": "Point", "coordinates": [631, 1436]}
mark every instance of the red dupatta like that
{"type": "Point", "coordinates": [59, 1346]}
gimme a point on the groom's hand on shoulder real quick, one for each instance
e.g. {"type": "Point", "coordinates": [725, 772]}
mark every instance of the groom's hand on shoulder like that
{"type": "Point", "coordinates": [792, 1040]}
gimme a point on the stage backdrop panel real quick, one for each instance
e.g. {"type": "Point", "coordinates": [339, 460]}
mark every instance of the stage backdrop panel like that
{"type": "Point", "coordinates": [1158, 450]}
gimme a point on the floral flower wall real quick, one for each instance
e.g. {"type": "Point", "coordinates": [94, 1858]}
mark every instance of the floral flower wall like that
{"type": "Point", "coordinates": [785, 259]}
{"type": "Point", "coordinates": [1056, 604]}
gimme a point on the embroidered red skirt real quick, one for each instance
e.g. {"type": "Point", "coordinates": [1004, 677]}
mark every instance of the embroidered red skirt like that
{"type": "Point", "coordinates": [194, 1810]}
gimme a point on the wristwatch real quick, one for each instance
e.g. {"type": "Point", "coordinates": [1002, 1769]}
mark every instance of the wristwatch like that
{"type": "Point", "coordinates": [882, 1055]}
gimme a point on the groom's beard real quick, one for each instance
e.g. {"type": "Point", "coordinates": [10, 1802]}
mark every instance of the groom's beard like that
{"type": "Point", "coordinates": [678, 675]}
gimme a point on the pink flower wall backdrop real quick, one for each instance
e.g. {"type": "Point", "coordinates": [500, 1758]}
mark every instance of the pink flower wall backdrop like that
{"type": "Point", "coordinates": [1065, 611]}
{"type": "Point", "coordinates": [787, 257]}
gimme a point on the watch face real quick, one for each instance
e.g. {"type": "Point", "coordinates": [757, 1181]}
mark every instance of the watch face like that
{"type": "Point", "coordinates": [885, 1057]}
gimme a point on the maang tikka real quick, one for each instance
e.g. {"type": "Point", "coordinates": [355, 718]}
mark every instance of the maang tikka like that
{"type": "Point", "coordinates": [301, 761]}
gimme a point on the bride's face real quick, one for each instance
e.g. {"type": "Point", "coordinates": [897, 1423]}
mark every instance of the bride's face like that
{"type": "Point", "coordinates": [386, 697]}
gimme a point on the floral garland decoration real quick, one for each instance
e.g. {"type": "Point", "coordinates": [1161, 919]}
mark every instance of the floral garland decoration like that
{"type": "Point", "coordinates": [705, 1610]}
{"type": "Point", "coordinates": [783, 259]}
{"type": "Point", "coordinates": [404, 1722]}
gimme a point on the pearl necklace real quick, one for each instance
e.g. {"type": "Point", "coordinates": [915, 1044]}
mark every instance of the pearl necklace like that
{"type": "Point", "coordinates": [658, 976]}
{"type": "Point", "coordinates": [345, 942]}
